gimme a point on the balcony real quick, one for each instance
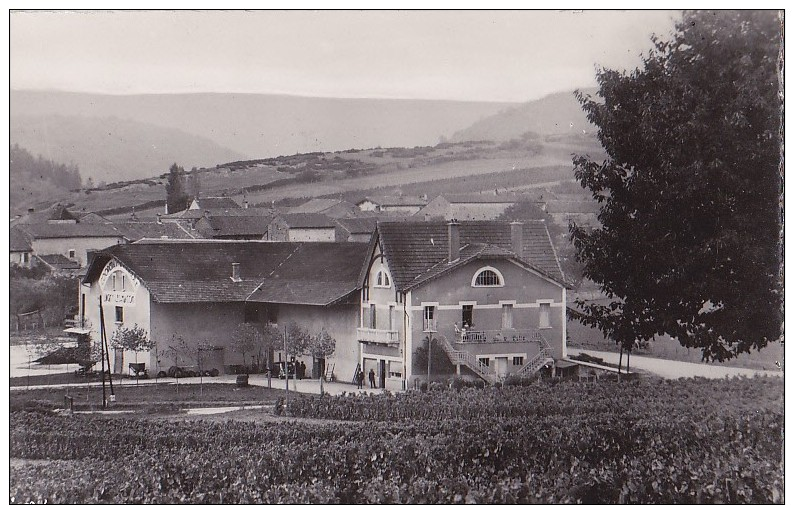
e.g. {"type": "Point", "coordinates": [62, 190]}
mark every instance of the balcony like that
{"type": "Point", "coordinates": [497, 336]}
{"type": "Point", "coordinates": [377, 336]}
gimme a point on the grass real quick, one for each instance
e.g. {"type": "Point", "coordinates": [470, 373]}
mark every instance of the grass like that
{"type": "Point", "coordinates": [151, 398]}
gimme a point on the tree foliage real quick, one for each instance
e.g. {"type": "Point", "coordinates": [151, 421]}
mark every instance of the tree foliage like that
{"type": "Point", "coordinates": [246, 339]}
{"type": "Point", "coordinates": [690, 188]}
{"type": "Point", "coordinates": [298, 339]}
{"type": "Point", "coordinates": [37, 168]}
{"type": "Point", "coordinates": [134, 339]}
{"type": "Point", "coordinates": [321, 344]}
{"type": "Point", "coordinates": [177, 197]}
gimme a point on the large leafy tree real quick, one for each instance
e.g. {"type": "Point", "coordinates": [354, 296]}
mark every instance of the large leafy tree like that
{"type": "Point", "coordinates": [690, 189]}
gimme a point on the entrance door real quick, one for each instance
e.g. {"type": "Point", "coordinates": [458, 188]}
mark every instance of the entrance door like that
{"type": "Point", "coordinates": [500, 365]}
{"type": "Point", "coordinates": [118, 361]}
{"type": "Point", "coordinates": [382, 374]}
{"type": "Point", "coordinates": [319, 368]}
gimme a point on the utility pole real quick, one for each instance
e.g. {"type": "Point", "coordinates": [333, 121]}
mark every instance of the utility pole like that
{"type": "Point", "coordinates": [102, 344]}
{"type": "Point", "coordinates": [286, 369]}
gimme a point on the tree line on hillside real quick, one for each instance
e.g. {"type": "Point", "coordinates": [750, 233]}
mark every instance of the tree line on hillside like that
{"type": "Point", "coordinates": [22, 161]}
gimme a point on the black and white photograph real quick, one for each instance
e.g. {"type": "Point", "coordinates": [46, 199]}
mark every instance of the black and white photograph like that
{"type": "Point", "coordinates": [396, 255]}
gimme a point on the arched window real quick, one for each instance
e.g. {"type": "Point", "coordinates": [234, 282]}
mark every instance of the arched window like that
{"type": "Point", "coordinates": [488, 277]}
{"type": "Point", "coordinates": [382, 280]}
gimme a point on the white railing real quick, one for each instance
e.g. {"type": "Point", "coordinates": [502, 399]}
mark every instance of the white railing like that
{"type": "Point", "coordinates": [465, 358]}
{"type": "Point", "coordinates": [539, 360]}
{"type": "Point", "coordinates": [377, 336]}
{"type": "Point", "coordinates": [469, 336]}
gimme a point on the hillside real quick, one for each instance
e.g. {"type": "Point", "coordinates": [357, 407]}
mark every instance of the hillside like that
{"type": "Point", "coordinates": [34, 179]}
{"type": "Point", "coordinates": [111, 149]}
{"type": "Point", "coordinates": [260, 126]}
{"type": "Point", "coordinates": [557, 114]}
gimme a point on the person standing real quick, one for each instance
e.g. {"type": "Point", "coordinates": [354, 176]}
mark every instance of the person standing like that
{"type": "Point", "coordinates": [360, 379]}
{"type": "Point", "coordinates": [371, 378]}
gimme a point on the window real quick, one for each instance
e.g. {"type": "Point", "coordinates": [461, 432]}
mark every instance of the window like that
{"type": "Point", "coordinates": [468, 315]}
{"type": "Point", "coordinates": [488, 277]}
{"type": "Point", "coordinates": [25, 258]}
{"type": "Point", "coordinates": [122, 281]}
{"type": "Point", "coordinates": [119, 315]}
{"type": "Point", "coordinates": [429, 318]}
{"type": "Point", "coordinates": [392, 318]}
{"type": "Point", "coordinates": [543, 318]}
{"type": "Point", "coordinates": [365, 294]}
{"type": "Point", "coordinates": [518, 360]}
{"type": "Point", "coordinates": [71, 254]}
{"type": "Point", "coordinates": [507, 315]}
{"type": "Point", "coordinates": [485, 361]}
{"type": "Point", "coordinates": [382, 280]}
{"type": "Point", "coordinates": [372, 316]}
{"type": "Point", "coordinates": [113, 278]}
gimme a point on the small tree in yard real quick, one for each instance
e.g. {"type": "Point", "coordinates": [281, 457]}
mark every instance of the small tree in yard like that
{"type": "Point", "coordinates": [134, 339]}
{"type": "Point", "coordinates": [321, 345]}
{"type": "Point", "coordinates": [297, 343]}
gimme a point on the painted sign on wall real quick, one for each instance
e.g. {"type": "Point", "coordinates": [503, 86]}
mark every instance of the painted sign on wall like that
{"type": "Point", "coordinates": [118, 285]}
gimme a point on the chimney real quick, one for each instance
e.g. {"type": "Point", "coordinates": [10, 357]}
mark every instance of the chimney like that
{"type": "Point", "coordinates": [517, 238]}
{"type": "Point", "coordinates": [453, 229]}
{"type": "Point", "coordinates": [159, 221]}
{"type": "Point", "coordinates": [245, 203]}
{"type": "Point", "coordinates": [236, 272]}
{"type": "Point", "coordinates": [206, 213]}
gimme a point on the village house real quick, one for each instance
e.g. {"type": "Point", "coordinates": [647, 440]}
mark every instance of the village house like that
{"type": "Point", "coordinates": [21, 250]}
{"type": "Point", "coordinates": [213, 203]}
{"type": "Point", "coordinates": [491, 293]}
{"type": "Point", "coordinates": [331, 207]}
{"type": "Point", "coordinates": [399, 204]}
{"type": "Point", "coordinates": [233, 227]}
{"type": "Point", "coordinates": [71, 240]}
{"type": "Point", "coordinates": [302, 228]}
{"type": "Point", "coordinates": [468, 207]}
{"type": "Point", "coordinates": [202, 290]}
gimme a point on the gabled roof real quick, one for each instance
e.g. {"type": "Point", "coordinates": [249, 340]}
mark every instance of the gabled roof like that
{"type": "Point", "coordinates": [418, 250]}
{"type": "Point", "coordinates": [58, 262]}
{"type": "Point", "coordinates": [69, 230]}
{"type": "Point", "coordinates": [60, 213]}
{"type": "Point", "coordinates": [572, 207]}
{"type": "Point", "coordinates": [216, 202]}
{"type": "Point", "coordinates": [399, 201]}
{"type": "Point", "coordinates": [358, 225]}
{"type": "Point", "coordinates": [137, 230]}
{"type": "Point", "coordinates": [189, 271]}
{"type": "Point", "coordinates": [18, 241]}
{"type": "Point", "coordinates": [236, 226]}
{"type": "Point", "coordinates": [482, 198]}
{"type": "Point", "coordinates": [316, 205]}
{"type": "Point", "coordinates": [196, 214]}
{"type": "Point", "coordinates": [305, 220]}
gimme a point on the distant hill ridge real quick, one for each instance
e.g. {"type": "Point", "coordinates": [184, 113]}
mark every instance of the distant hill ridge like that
{"type": "Point", "coordinates": [555, 114]}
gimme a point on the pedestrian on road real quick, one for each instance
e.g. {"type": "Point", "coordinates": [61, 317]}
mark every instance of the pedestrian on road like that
{"type": "Point", "coordinates": [371, 378]}
{"type": "Point", "coordinates": [360, 379]}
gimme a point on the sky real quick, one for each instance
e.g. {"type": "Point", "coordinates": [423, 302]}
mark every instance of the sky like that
{"type": "Point", "coordinates": [510, 56]}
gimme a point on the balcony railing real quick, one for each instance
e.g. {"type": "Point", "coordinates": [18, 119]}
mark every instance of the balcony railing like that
{"type": "Point", "coordinates": [377, 336]}
{"type": "Point", "coordinates": [469, 336]}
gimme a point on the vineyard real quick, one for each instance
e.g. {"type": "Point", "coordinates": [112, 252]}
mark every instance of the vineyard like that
{"type": "Point", "coordinates": [649, 441]}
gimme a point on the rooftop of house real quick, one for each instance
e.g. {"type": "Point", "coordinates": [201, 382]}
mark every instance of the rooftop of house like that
{"type": "Point", "coordinates": [308, 220]}
{"type": "Point", "coordinates": [137, 230]}
{"type": "Point", "coordinates": [397, 201]}
{"type": "Point", "coordinates": [306, 273]}
{"type": "Point", "coordinates": [358, 225]}
{"type": "Point", "coordinates": [474, 198]}
{"type": "Point", "coordinates": [215, 202]}
{"type": "Point", "coordinates": [58, 261]}
{"type": "Point", "coordinates": [196, 214]}
{"type": "Point", "coordinates": [69, 230]}
{"type": "Point", "coordinates": [18, 240]}
{"type": "Point", "coordinates": [572, 207]}
{"type": "Point", "coordinates": [417, 251]}
{"type": "Point", "coordinates": [318, 205]}
{"type": "Point", "coordinates": [236, 226]}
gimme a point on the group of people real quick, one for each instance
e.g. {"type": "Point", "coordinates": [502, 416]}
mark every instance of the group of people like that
{"type": "Point", "coordinates": [296, 369]}
{"type": "Point", "coordinates": [360, 378]}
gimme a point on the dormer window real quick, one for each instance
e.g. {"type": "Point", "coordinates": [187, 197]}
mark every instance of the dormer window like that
{"type": "Point", "coordinates": [488, 277]}
{"type": "Point", "coordinates": [382, 280]}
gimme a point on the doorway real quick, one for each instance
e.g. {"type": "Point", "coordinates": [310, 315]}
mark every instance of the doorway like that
{"type": "Point", "coordinates": [382, 374]}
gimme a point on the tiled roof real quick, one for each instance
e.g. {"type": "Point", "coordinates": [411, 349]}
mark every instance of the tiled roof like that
{"type": "Point", "coordinates": [483, 198]}
{"type": "Point", "coordinates": [316, 205]}
{"type": "Point", "coordinates": [397, 201]}
{"type": "Point", "coordinates": [60, 213]}
{"type": "Point", "coordinates": [199, 213]}
{"type": "Point", "coordinates": [358, 225]}
{"type": "Point", "coordinates": [278, 272]}
{"type": "Point", "coordinates": [58, 261]}
{"type": "Point", "coordinates": [305, 220]}
{"type": "Point", "coordinates": [416, 250]}
{"type": "Point", "coordinates": [572, 207]}
{"type": "Point", "coordinates": [217, 202]}
{"type": "Point", "coordinates": [18, 241]}
{"type": "Point", "coordinates": [137, 230]}
{"type": "Point", "coordinates": [69, 230]}
{"type": "Point", "coordinates": [235, 226]}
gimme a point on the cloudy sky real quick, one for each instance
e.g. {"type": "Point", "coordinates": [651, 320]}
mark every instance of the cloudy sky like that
{"type": "Point", "coordinates": [460, 55]}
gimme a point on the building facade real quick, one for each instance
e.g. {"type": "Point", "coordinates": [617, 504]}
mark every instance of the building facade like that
{"type": "Point", "coordinates": [490, 293]}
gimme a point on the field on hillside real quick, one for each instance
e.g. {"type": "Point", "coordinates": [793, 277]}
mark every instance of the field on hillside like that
{"type": "Point", "coordinates": [437, 169]}
{"type": "Point", "coordinates": [647, 441]}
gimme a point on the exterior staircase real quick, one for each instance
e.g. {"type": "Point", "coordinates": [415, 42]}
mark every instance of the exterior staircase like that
{"type": "Point", "coordinates": [537, 362]}
{"type": "Point", "coordinates": [465, 358]}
